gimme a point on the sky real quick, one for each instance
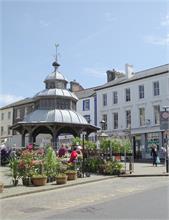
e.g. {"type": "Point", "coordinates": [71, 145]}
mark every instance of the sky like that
{"type": "Point", "coordinates": [93, 36]}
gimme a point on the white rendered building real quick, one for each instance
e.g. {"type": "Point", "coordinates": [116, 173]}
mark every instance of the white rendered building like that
{"type": "Point", "coordinates": [131, 104]}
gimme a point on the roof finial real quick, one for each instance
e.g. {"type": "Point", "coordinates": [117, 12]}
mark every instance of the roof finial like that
{"type": "Point", "coordinates": [55, 64]}
{"type": "Point", "coordinates": [56, 45]}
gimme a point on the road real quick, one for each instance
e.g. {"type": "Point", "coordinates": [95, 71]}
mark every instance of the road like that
{"type": "Point", "coordinates": [116, 198]}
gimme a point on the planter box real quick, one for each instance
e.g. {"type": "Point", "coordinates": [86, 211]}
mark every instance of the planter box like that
{"type": "Point", "coordinates": [61, 179]}
{"type": "Point", "coordinates": [71, 176]}
{"type": "Point", "coordinates": [39, 181]}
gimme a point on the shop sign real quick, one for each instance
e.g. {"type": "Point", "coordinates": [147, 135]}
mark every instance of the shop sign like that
{"type": "Point", "coordinates": [164, 120]}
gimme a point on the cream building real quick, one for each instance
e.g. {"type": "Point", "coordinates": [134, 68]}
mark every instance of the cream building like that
{"type": "Point", "coordinates": [6, 120]}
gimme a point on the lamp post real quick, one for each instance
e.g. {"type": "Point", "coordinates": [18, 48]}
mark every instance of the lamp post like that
{"type": "Point", "coordinates": [165, 115]}
{"type": "Point", "coordinates": [83, 139]}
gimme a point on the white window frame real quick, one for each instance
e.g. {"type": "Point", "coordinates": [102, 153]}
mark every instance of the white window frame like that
{"type": "Point", "coordinates": [156, 88]}
{"type": "Point", "coordinates": [115, 97]}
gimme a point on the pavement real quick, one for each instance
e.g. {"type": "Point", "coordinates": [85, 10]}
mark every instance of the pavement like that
{"type": "Point", "coordinates": [139, 170]}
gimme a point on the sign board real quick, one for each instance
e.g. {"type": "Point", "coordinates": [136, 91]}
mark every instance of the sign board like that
{"type": "Point", "coordinates": [164, 120]}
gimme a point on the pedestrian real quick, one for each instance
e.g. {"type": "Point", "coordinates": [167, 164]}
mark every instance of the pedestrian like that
{"type": "Point", "coordinates": [154, 154]}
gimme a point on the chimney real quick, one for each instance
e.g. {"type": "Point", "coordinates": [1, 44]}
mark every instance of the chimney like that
{"type": "Point", "coordinates": [111, 75]}
{"type": "Point", "coordinates": [75, 86]}
{"type": "Point", "coordinates": [129, 70]}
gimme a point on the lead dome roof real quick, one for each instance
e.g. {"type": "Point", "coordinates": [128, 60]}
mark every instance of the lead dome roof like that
{"type": "Point", "coordinates": [56, 115]}
{"type": "Point", "coordinates": [56, 75]}
{"type": "Point", "coordinates": [56, 92]}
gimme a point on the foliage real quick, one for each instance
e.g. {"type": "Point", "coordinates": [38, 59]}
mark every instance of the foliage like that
{"type": "Point", "coordinates": [92, 164]}
{"type": "Point", "coordinates": [39, 176]}
{"type": "Point", "coordinates": [87, 144]}
{"type": "Point", "coordinates": [51, 162]}
{"type": "Point", "coordinates": [76, 141]}
{"type": "Point", "coordinates": [30, 162]}
{"type": "Point", "coordinates": [111, 167]}
{"type": "Point", "coordinates": [14, 165]}
{"type": "Point", "coordinates": [117, 145]}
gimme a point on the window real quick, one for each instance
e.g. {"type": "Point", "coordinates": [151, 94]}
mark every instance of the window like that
{"type": "Point", "coordinates": [128, 119]}
{"type": "Point", "coordinates": [104, 125]}
{"type": "Point", "coordinates": [9, 115]}
{"type": "Point", "coordinates": [2, 131]}
{"type": "Point", "coordinates": [115, 98]}
{"type": "Point", "coordinates": [104, 99]}
{"type": "Point", "coordinates": [141, 92]}
{"type": "Point", "coordinates": [52, 85]}
{"type": "Point", "coordinates": [115, 120]}
{"type": "Point", "coordinates": [9, 130]}
{"type": "Point", "coordinates": [87, 117]}
{"type": "Point", "coordinates": [128, 95]}
{"type": "Point", "coordinates": [142, 116]}
{"type": "Point", "coordinates": [86, 105]}
{"type": "Point", "coordinates": [156, 114]}
{"type": "Point", "coordinates": [156, 88]}
{"type": "Point", "coordinates": [18, 113]}
{"type": "Point", "coordinates": [2, 116]}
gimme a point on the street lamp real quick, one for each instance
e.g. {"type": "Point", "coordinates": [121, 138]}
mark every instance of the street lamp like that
{"type": "Point", "coordinates": [83, 139]}
{"type": "Point", "coordinates": [102, 122]}
{"type": "Point", "coordinates": [165, 115]}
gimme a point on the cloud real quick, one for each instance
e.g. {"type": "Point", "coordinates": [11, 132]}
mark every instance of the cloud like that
{"type": "Point", "coordinates": [161, 41]}
{"type": "Point", "coordinates": [7, 99]}
{"type": "Point", "coordinates": [165, 21]}
{"type": "Point", "coordinates": [99, 73]}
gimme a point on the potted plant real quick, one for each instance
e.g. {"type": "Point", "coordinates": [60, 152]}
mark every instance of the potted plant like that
{"type": "Point", "coordinates": [71, 174]}
{"type": "Point", "coordinates": [13, 164]}
{"type": "Point", "coordinates": [39, 179]}
{"type": "Point", "coordinates": [51, 164]}
{"type": "Point", "coordinates": [61, 178]}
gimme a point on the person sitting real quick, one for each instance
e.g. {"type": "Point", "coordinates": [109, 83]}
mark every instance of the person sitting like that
{"type": "Point", "coordinates": [73, 156]}
{"type": "Point", "coordinates": [62, 151]}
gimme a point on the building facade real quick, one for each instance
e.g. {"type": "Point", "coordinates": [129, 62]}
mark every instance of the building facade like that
{"type": "Point", "coordinates": [131, 105]}
{"type": "Point", "coordinates": [6, 120]}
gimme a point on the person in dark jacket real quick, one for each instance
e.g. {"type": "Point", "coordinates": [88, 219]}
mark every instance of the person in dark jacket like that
{"type": "Point", "coordinates": [154, 154]}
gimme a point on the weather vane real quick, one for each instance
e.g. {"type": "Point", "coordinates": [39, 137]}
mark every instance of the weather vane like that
{"type": "Point", "coordinates": [56, 45]}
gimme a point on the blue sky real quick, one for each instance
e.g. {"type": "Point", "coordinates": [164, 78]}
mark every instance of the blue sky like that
{"type": "Point", "coordinates": [93, 36]}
